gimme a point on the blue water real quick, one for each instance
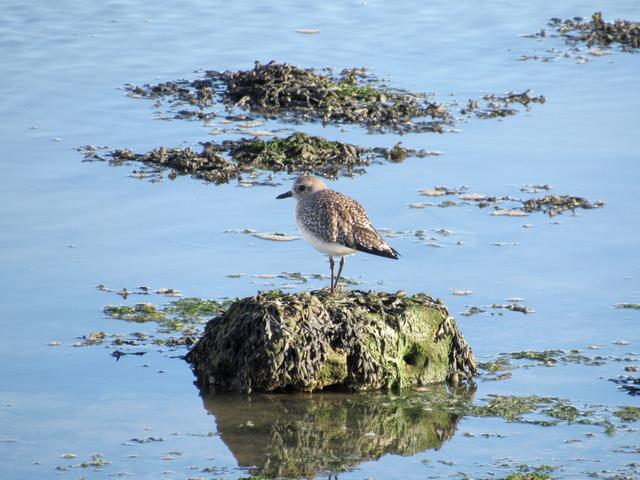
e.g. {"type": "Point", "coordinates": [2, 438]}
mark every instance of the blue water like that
{"type": "Point", "coordinates": [66, 226]}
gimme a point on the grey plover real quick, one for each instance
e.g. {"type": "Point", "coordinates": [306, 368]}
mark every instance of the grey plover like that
{"type": "Point", "coordinates": [334, 224]}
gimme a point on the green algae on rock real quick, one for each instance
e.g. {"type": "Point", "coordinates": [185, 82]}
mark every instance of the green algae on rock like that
{"type": "Point", "coordinates": [313, 341]}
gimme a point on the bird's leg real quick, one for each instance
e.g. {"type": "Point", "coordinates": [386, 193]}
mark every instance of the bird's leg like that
{"type": "Point", "coordinates": [331, 263]}
{"type": "Point", "coordinates": [339, 272]}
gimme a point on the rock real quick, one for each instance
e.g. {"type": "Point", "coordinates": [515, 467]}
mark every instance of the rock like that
{"type": "Point", "coordinates": [313, 341]}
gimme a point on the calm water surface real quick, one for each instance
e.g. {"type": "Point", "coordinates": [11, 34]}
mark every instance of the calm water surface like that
{"type": "Point", "coordinates": [66, 226]}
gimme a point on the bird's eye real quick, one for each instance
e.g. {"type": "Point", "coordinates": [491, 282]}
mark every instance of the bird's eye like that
{"type": "Point", "coordinates": [301, 188]}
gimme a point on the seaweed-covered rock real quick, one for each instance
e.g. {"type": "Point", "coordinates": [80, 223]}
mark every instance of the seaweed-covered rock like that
{"type": "Point", "coordinates": [314, 341]}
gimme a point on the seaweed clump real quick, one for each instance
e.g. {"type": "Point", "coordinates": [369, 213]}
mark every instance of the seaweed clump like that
{"type": "Point", "coordinates": [517, 408]}
{"type": "Point", "coordinates": [296, 153]}
{"type": "Point", "coordinates": [598, 32]}
{"type": "Point", "coordinates": [628, 414]}
{"type": "Point", "coordinates": [628, 383]}
{"type": "Point", "coordinates": [280, 89]}
{"type": "Point", "coordinates": [199, 93]}
{"type": "Point", "coordinates": [179, 322]}
{"type": "Point", "coordinates": [555, 204]}
{"type": "Point", "coordinates": [313, 341]}
{"type": "Point", "coordinates": [552, 205]}
{"type": "Point", "coordinates": [288, 92]}
{"type": "Point", "coordinates": [497, 106]}
{"type": "Point", "coordinates": [231, 159]}
{"type": "Point", "coordinates": [207, 165]}
{"type": "Point", "coordinates": [527, 476]}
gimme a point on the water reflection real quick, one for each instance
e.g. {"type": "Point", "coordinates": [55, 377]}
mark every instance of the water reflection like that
{"type": "Point", "coordinates": [301, 435]}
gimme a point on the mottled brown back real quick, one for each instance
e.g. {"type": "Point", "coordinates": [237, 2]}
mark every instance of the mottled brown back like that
{"type": "Point", "coordinates": [337, 218]}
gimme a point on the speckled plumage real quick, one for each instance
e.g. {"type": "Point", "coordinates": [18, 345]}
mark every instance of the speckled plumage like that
{"type": "Point", "coordinates": [335, 218]}
{"type": "Point", "coordinates": [333, 223]}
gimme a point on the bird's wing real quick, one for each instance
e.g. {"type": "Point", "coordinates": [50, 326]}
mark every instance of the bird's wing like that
{"type": "Point", "coordinates": [369, 240]}
{"type": "Point", "coordinates": [355, 230]}
{"type": "Point", "coordinates": [340, 219]}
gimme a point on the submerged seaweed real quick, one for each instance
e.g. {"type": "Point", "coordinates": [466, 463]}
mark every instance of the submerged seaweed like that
{"type": "Point", "coordinates": [547, 358]}
{"type": "Point", "coordinates": [179, 322]}
{"type": "Point", "coordinates": [550, 204]}
{"type": "Point", "coordinates": [532, 409]}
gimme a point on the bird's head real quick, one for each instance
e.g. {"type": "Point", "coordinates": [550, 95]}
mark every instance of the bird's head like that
{"type": "Point", "coordinates": [304, 186]}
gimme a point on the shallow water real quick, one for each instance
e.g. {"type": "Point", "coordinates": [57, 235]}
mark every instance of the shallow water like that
{"type": "Point", "coordinates": [66, 226]}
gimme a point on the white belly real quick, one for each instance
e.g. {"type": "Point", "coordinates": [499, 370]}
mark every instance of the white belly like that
{"type": "Point", "coordinates": [330, 249]}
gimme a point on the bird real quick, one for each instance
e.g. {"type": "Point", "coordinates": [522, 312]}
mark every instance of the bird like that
{"type": "Point", "coordinates": [334, 223]}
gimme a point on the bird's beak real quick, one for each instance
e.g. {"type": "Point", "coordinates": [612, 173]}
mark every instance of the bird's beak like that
{"type": "Point", "coordinates": [284, 195]}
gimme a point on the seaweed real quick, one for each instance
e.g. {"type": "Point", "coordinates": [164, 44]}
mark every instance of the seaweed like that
{"type": "Point", "coordinates": [551, 205]}
{"type": "Point", "coordinates": [280, 90]}
{"type": "Point", "coordinates": [598, 32]}
{"type": "Point", "coordinates": [312, 341]}
{"type": "Point", "coordinates": [295, 94]}
{"type": "Point", "coordinates": [249, 157]}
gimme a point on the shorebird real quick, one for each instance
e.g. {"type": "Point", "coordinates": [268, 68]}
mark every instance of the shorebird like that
{"type": "Point", "coordinates": [334, 224]}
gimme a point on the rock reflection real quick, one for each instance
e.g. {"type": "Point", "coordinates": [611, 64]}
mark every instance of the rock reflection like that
{"type": "Point", "coordinates": [302, 435]}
